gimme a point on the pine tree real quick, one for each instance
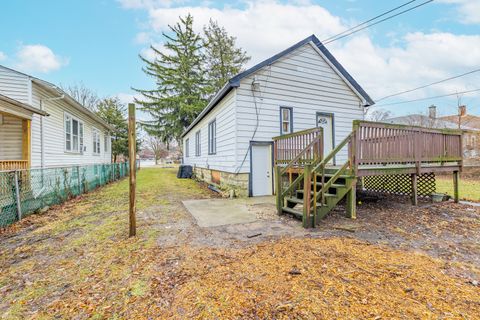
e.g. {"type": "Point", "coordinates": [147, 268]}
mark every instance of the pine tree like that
{"type": "Point", "coordinates": [180, 90]}
{"type": "Point", "coordinates": [223, 59]}
{"type": "Point", "coordinates": [113, 112]}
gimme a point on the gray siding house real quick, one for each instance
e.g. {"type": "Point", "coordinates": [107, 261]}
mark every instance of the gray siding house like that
{"type": "Point", "coordinates": [304, 86]}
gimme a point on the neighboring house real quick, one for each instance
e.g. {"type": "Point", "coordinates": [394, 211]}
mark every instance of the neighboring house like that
{"type": "Point", "coordinates": [469, 124]}
{"type": "Point", "coordinates": [42, 126]}
{"type": "Point", "coordinates": [230, 142]}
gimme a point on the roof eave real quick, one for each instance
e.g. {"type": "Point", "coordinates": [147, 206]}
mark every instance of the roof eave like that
{"type": "Point", "coordinates": [213, 102]}
{"type": "Point", "coordinates": [53, 88]}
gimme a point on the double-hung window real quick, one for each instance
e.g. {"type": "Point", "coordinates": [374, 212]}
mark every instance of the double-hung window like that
{"type": "Point", "coordinates": [187, 148]}
{"type": "Point", "coordinates": [286, 120]}
{"type": "Point", "coordinates": [96, 141]}
{"type": "Point", "coordinates": [212, 137]}
{"type": "Point", "coordinates": [73, 130]}
{"type": "Point", "coordinates": [198, 150]}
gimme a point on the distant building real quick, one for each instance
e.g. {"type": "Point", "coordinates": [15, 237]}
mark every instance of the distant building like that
{"type": "Point", "coordinates": [469, 124]}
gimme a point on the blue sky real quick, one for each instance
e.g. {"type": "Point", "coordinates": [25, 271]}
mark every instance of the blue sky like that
{"type": "Point", "coordinates": [97, 42]}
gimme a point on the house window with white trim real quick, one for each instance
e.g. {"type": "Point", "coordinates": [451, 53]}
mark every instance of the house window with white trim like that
{"type": "Point", "coordinates": [187, 151]}
{"type": "Point", "coordinates": [286, 120]}
{"type": "Point", "coordinates": [212, 137]}
{"type": "Point", "coordinates": [73, 130]}
{"type": "Point", "coordinates": [198, 150]}
{"type": "Point", "coordinates": [96, 141]}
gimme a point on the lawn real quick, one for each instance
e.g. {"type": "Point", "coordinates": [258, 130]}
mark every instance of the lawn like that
{"type": "Point", "coordinates": [469, 188]}
{"type": "Point", "coordinates": [76, 261]}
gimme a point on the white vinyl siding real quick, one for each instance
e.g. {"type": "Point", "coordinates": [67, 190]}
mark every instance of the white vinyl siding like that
{"type": "Point", "coordinates": [15, 85]}
{"type": "Point", "coordinates": [54, 136]}
{"type": "Point", "coordinates": [224, 159]}
{"type": "Point", "coordinates": [304, 81]}
{"type": "Point", "coordinates": [10, 138]}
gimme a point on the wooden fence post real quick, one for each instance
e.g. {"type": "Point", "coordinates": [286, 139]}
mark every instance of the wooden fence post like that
{"type": "Point", "coordinates": [132, 159]}
{"type": "Point", "coordinates": [278, 189]}
{"type": "Point", "coordinates": [456, 180]}
{"type": "Point", "coordinates": [351, 207]}
{"type": "Point", "coordinates": [17, 196]}
{"type": "Point", "coordinates": [414, 189]}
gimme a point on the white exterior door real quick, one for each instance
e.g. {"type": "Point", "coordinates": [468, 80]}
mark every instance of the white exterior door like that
{"type": "Point", "coordinates": [325, 121]}
{"type": "Point", "coordinates": [261, 167]}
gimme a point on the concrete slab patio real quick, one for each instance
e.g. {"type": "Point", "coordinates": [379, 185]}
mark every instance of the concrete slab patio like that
{"type": "Point", "coordinates": [220, 212]}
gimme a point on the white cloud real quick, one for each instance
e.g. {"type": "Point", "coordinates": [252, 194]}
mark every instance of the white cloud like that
{"type": "Point", "coordinates": [265, 28]}
{"type": "Point", "coordinates": [38, 58]}
{"type": "Point", "coordinates": [422, 59]}
{"type": "Point", "coordinates": [262, 27]}
{"type": "Point", "coordinates": [469, 10]}
{"type": "Point", "coordinates": [3, 56]}
{"type": "Point", "coordinates": [146, 4]}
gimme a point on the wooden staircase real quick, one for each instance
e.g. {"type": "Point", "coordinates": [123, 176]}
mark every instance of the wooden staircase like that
{"type": "Point", "coordinates": [335, 193]}
{"type": "Point", "coordinates": [317, 187]}
{"type": "Point", "coordinates": [309, 186]}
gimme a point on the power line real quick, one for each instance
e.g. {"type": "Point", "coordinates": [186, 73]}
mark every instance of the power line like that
{"type": "Point", "coordinates": [335, 38]}
{"type": "Point", "coordinates": [370, 20]}
{"type": "Point", "coordinates": [428, 98]}
{"type": "Point", "coordinates": [427, 85]}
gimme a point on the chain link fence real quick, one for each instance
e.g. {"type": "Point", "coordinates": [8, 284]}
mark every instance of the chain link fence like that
{"type": "Point", "coordinates": [23, 192]}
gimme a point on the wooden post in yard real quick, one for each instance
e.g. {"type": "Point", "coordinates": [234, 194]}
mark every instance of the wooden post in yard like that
{"type": "Point", "coordinates": [132, 158]}
{"type": "Point", "coordinates": [307, 189]}
{"type": "Point", "coordinates": [456, 180]}
{"type": "Point", "coordinates": [414, 189]}
{"type": "Point", "coordinates": [351, 207]}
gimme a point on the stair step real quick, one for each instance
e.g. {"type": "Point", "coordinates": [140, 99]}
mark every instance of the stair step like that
{"type": "Point", "coordinates": [299, 201]}
{"type": "Point", "coordinates": [343, 176]}
{"type": "Point", "coordinates": [326, 194]}
{"type": "Point", "coordinates": [334, 185]}
{"type": "Point", "coordinates": [296, 213]}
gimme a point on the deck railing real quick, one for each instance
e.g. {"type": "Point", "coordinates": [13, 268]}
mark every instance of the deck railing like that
{"type": "Point", "coordinates": [6, 165]}
{"type": "Point", "coordinates": [298, 148]}
{"type": "Point", "coordinates": [384, 143]}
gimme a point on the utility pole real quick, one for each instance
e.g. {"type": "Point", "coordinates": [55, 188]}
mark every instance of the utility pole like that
{"type": "Point", "coordinates": [132, 158]}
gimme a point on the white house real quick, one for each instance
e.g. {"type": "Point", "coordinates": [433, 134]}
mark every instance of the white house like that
{"type": "Point", "coordinates": [42, 126]}
{"type": "Point", "coordinates": [230, 142]}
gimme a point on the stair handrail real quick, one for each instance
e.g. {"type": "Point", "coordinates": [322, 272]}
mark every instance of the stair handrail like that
{"type": "Point", "coordinates": [298, 156]}
{"type": "Point", "coordinates": [319, 169]}
{"type": "Point", "coordinates": [333, 153]}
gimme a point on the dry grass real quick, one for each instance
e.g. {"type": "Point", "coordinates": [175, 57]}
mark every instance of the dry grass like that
{"type": "Point", "coordinates": [76, 261]}
{"type": "Point", "coordinates": [469, 187]}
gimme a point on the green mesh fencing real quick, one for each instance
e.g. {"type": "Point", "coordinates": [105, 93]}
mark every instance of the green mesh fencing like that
{"type": "Point", "coordinates": [24, 192]}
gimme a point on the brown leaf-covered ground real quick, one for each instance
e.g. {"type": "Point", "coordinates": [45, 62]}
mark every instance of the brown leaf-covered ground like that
{"type": "Point", "coordinates": [394, 262]}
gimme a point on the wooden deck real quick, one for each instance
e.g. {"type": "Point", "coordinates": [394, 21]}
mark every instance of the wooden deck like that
{"type": "Point", "coordinates": [304, 176]}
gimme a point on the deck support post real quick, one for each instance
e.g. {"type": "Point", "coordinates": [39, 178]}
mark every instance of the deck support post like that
{"type": "Point", "coordinates": [307, 188]}
{"type": "Point", "coordinates": [456, 180]}
{"type": "Point", "coordinates": [351, 207]}
{"type": "Point", "coordinates": [414, 189]}
{"type": "Point", "coordinates": [278, 189]}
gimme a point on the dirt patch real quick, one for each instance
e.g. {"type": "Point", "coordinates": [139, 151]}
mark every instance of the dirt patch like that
{"type": "Point", "coordinates": [395, 260]}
